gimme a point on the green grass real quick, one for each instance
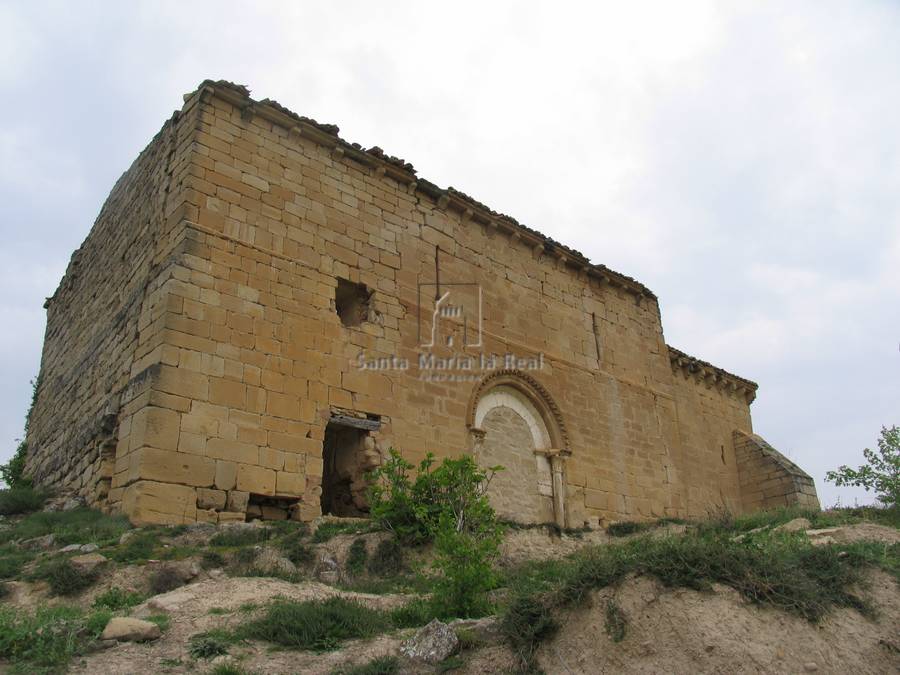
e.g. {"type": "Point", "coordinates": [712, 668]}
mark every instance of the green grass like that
{"type": "Point", "coordinates": [771, 569]}
{"type": "Point", "coordinates": [242, 536]}
{"type": "Point", "coordinates": [327, 531]}
{"type": "Point", "coordinates": [46, 640]}
{"type": "Point", "coordinates": [385, 665]}
{"type": "Point", "coordinates": [161, 620]}
{"type": "Point", "coordinates": [210, 644]}
{"type": "Point", "coordinates": [79, 526]}
{"type": "Point", "coordinates": [11, 564]}
{"type": "Point", "coordinates": [389, 559]}
{"type": "Point", "coordinates": [138, 548]}
{"type": "Point", "coordinates": [316, 625]}
{"type": "Point", "coordinates": [67, 579]}
{"type": "Point", "coordinates": [357, 557]}
{"type": "Point", "coordinates": [615, 623]}
{"type": "Point", "coordinates": [18, 500]}
{"type": "Point", "coordinates": [117, 599]}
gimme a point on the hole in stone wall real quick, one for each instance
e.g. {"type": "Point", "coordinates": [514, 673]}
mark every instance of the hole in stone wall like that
{"type": "Point", "coordinates": [348, 454]}
{"type": "Point", "coordinates": [263, 507]}
{"type": "Point", "coordinates": [351, 302]}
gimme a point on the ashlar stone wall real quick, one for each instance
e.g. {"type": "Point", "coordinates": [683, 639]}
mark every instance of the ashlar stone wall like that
{"type": "Point", "coordinates": [234, 359]}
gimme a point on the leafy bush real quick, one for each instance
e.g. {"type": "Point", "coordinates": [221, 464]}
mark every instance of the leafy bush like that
{"type": "Point", "coordinates": [13, 472]}
{"type": "Point", "coordinates": [357, 557]}
{"type": "Point", "coordinates": [211, 560]}
{"type": "Point", "coordinates": [880, 474]}
{"type": "Point", "coordinates": [316, 625]}
{"type": "Point", "coordinates": [67, 579]}
{"type": "Point", "coordinates": [209, 644]}
{"type": "Point", "coordinates": [165, 579]}
{"type": "Point", "coordinates": [388, 559]}
{"type": "Point", "coordinates": [450, 506]}
{"type": "Point", "coordinates": [116, 599]}
{"type": "Point", "coordinates": [298, 552]}
{"type": "Point", "coordinates": [18, 500]}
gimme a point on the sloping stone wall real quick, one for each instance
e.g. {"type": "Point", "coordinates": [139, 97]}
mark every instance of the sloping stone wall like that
{"type": "Point", "coordinates": [768, 478]}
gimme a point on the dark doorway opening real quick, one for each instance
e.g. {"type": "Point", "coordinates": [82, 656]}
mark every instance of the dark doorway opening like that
{"type": "Point", "coordinates": [346, 460]}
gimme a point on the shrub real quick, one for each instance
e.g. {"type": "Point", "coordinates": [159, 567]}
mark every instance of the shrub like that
{"type": "Point", "coordinates": [316, 625]}
{"type": "Point", "coordinates": [11, 565]}
{"type": "Point", "coordinates": [209, 644]}
{"type": "Point", "coordinates": [388, 559]}
{"type": "Point", "coordinates": [67, 579]}
{"type": "Point", "coordinates": [241, 536]}
{"type": "Point", "coordinates": [211, 560]}
{"type": "Point", "coordinates": [245, 556]}
{"type": "Point", "coordinates": [298, 552]}
{"type": "Point", "coordinates": [13, 472]}
{"type": "Point", "coordinates": [45, 640]}
{"type": "Point", "coordinates": [116, 599]}
{"type": "Point", "coordinates": [615, 622]}
{"type": "Point", "coordinates": [448, 505]}
{"type": "Point", "coordinates": [165, 579]}
{"type": "Point", "coordinates": [357, 557]}
{"type": "Point", "coordinates": [18, 500]}
{"type": "Point", "coordinates": [881, 473]}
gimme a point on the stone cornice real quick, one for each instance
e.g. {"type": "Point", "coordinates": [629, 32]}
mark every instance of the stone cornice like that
{"type": "Point", "coordinates": [403, 172]}
{"type": "Point", "coordinates": [711, 375]}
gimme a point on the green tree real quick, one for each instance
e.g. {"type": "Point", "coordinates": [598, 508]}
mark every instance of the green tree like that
{"type": "Point", "coordinates": [13, 472]}
{"type": "Point", "coordinates": [881, 473]}
{"type": "Point", "coordinates": [447, 505]}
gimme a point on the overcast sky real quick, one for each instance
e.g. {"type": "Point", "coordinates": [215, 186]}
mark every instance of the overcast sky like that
{"type": "Point", "coordinates": [740, 159]}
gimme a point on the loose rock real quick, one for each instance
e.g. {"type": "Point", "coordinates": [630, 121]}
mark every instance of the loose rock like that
{"type": "Point", "coordinates": [794, 525]}
{"type": "Point", "coordinates": [88, 562]}
{"type": "Point", "coordinates": [126, 629]}
{"type": "Point", "coordinates": [432, 644]}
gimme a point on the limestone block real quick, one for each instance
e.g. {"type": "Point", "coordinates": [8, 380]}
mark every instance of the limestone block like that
{"type": "Point", "coordinates": [232, 450]}
{"type": "Point", "coordinates": [173, 467]}
{"type": "Point", "coordinates": [207, 516]}
{"type": "Point", "coordinates": [156, 427]}
{"type": "Point", "coordinates": [151, 503]}
{"type": "Point", "coordinates": [210, 499]}
{"type": "Point", "coordinates": [226, 475]}
{"type": "Point", "coordinates": [290, 484]}
{"type": "Point", "coordinates": [256, 479]}
{"type": "Point", "coordinates": [274, 513]}
{"type": "Point", "coordinates": [237, 500]}
{"type": "Point", "coordinates": [232, 517]}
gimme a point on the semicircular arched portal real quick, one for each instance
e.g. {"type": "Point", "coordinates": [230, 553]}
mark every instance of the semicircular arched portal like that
{"type": "Point", "coordinates": [514, 424]}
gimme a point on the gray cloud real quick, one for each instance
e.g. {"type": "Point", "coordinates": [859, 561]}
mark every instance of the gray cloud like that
{"type": "Point", "coordinates": [742, 161]}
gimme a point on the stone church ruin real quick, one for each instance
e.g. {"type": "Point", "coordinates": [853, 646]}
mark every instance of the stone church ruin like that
{"type": "Point", "coordinates": [263, 309]}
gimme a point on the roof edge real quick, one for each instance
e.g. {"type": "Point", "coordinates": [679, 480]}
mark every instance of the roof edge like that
{"type": "Point", "coordinates": [710, 375]}
{"type": "Point", "coordinates": [403, 172]}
